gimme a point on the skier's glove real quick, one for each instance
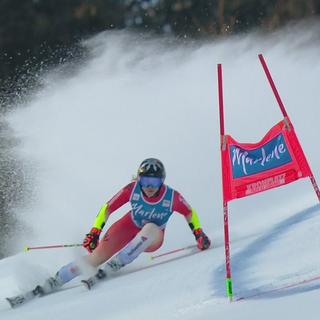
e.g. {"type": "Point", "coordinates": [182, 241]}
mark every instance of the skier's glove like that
{"type": "Point", "coordinates": [203, 242]}
{"type": "Point", "coordinates": [91, 241]}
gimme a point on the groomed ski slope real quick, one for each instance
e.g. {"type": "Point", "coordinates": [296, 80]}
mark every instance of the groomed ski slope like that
{"type": "Point", "coordinates": [83, 135]}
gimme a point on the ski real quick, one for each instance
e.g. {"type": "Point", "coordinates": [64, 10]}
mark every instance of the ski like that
{"type": "Point", "coordinates": [51, 285]}
{"type": "Point", "coordinates": [92, 281]}
{"type": "Point", "coordinates": [22, 298]}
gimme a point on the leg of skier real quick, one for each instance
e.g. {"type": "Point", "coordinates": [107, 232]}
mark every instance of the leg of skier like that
{"type": "Point", "coordinates": [123, 241]}
{"type": "Point", "coordinates": [149, 239]}
{"type": "Point", "coordinates": [117, 236]}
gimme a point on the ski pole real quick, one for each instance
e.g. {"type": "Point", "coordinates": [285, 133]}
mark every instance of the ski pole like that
{"type": "Point", "coordinates": [27, 248]}
{"type": "Point", "coordinates": [172, 251]}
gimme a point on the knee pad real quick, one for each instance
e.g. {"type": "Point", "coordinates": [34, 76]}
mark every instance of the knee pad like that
{"type": "Point", "coordinates": [150, 230]}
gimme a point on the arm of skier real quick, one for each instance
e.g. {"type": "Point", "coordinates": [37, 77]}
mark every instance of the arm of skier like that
{"type": "Point", "coordinates": [91, 239]}
{"type": "Point", "coordinates": [181, 205]}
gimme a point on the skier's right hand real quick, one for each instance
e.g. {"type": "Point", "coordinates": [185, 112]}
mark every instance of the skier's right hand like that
{"type": "Point", "coordinates": [91, 241]}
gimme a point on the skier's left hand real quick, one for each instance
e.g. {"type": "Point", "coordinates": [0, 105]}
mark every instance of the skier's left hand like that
{"type": "Point", "coordinates": [203, 242]}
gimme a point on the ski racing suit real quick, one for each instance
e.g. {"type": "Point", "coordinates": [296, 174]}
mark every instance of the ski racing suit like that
{"type": "Point", "coordinates": [144, 210]}
{"type": "Point", "coordinates": [139, 230]}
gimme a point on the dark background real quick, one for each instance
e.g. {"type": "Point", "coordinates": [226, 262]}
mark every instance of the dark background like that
{"type": "Point", "coordinates": [37, 33]}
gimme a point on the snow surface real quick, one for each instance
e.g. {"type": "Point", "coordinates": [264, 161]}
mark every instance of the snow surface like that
{"type": "Point", "coordinates": [85, 133]}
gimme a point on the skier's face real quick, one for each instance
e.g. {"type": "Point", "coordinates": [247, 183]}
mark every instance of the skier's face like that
{"type": "Point", "coordinates": [150, 191]}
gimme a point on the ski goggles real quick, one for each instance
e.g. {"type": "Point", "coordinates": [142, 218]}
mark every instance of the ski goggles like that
{"type": "Point", "coordinates": [150, 182]}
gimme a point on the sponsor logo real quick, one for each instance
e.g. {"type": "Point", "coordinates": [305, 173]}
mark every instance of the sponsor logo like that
{"type": "Point", "coordinates": [272, 154]}
{"type": "Point", "coordinates": [138, 210]}
{"type": "Point", "coordinates": [166, 203]}
{"type": "Point", "coordinates": [266, 184]}
{"type": "Point", "coordinates": [136, 196]}
{"type": "Point", "coordinates": [106, 237]}
{"type": "Point", "coordinates": [73, 270]}
{"type": "Point", "coordinates": [138, 245]}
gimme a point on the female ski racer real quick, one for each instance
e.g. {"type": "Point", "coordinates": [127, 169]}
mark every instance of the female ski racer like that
{"type": "Point", "coordinates": [140, 230]}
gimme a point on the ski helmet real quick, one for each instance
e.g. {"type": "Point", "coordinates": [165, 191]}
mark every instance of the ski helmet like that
{"type": "Point", "coordinates": [152, 167]}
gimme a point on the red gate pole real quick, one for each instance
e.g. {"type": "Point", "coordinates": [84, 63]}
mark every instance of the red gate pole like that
{"type": "Point", "coordinates": [225, 203]}
{"type": "Point", "coordinates": [315, 185]}
{"type": "Point", "coordinates": [273, 86]}
{"type": "Point", "coordinates": [284, 112]}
